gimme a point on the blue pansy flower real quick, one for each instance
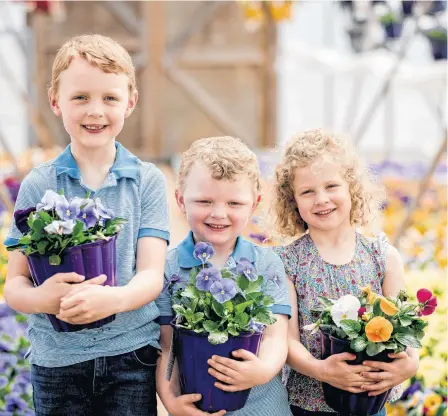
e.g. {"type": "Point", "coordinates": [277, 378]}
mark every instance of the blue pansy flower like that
{"type": "Point", "coordinates": [223, 290]}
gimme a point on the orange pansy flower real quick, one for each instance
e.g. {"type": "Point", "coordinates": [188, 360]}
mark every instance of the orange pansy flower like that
{"type": "Point", "coordinates": [379, 329]}
{"type": "Point", "coordinates": [371, 296]}
{"type": "Point", "coordinates": [388, 307]}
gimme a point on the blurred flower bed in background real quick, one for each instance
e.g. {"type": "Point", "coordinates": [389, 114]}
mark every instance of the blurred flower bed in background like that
{"type": "Point", "coordinates": [423, 248]}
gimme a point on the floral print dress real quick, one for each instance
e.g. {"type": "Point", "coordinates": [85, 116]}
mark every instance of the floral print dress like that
{"type": "Point", "coordinates": [312, 276]}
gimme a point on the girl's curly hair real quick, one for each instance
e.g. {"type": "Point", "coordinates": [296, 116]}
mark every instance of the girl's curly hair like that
{"type": "Point", "coordinates": [367, 195]}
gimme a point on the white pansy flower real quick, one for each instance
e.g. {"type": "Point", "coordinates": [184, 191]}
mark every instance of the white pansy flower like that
{"type": "Point", "coordinates": [60, 227]}
{"type": "Point", "coordinates": [345, 308]}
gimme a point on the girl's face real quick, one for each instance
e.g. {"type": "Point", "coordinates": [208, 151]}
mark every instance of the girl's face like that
{"type": "Point", "coordinates": [322, 195]}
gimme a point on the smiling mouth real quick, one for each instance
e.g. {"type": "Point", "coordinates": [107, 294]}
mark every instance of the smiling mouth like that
{"type": "Point", "coordinates": [94, 127]}
{"type": "Point", "coordinates": [217, 227]}
{"type": "Point", "coordinates": [326, 212]}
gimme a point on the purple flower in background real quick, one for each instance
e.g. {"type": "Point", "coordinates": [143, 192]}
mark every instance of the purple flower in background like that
{"type": "Point", "coordinates": [89, 216]}
{"type": "Point", "coordinates": [203, 251]}
{"type": "Point", "coordinates": [206, 278]}
{"type": "Point", "coordinates": [275, 278]}
{"type": "Point", "coordinates": [414, 387]}
{"type": "Point", "coordinates": [15, 403]}
{"type": "Point", "coordinates": [261, 238]}
{"type": "Point", "coordinates": [245, 266]}
{"type": "Point", "coordinates": [49, 201]}
{"type": "Point", "coordinates": [21, 385]}
{"type": "Point", "coordinates": [255, 326]}
{"type": "Point", "coordinates": [223, 290]}
{"type": "Point", "coordinates": [3, 382]}
{"type": "Point", "coordinates": [21, 219]}
{"type": "Point", "coordinates": [13, 186]}
{"type": "Point", "coordinates": [5, 310]}
{"type": "Point", "coordinates": [67, 211]}
{"type": "Point", "coordinates": [7, 360]}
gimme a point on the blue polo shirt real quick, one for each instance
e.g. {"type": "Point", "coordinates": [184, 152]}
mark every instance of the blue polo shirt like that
{"type": "Point", "coordinates": [268, 399]}
{"type": "Point", "coordinates": [134, 190]}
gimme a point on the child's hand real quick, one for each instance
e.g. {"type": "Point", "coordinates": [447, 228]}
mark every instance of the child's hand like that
{"type": "Point", "coordinates": [400, 369]}
{"type": "Point", "coordinates": [347, 377]}
{"type": "Point", "coordinates": [58, 286]}
{"type": "Point", "coordinates": [184, 406]}
{"type": "Point", "coordinates": [238, 375]}
{"type": "Point", "coordinates": [89, 304]}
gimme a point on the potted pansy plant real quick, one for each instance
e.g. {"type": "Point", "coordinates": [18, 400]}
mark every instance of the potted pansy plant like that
{"type": "Point", "coordinates": [369, 326]}
{"type": "Point", "coordinates": [217, 312]}
{"type": "Point", "coordinates": [62, 236]}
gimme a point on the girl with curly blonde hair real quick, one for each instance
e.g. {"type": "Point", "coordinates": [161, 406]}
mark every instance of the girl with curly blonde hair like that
{"type": "Point", "coordinates": [323, 194]}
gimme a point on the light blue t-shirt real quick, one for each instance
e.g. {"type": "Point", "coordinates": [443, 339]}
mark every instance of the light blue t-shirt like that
{"type": "Point", "coordinates": [269, 399]}
{"type": "Point", "coordinates": [134, 190]}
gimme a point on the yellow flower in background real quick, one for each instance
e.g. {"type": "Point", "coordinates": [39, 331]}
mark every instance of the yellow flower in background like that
{"type": "Point", "coordinates": [432, 400]}
{"type": "Point", "coordinates": [379, 329]}
{"type": "Point", "coordinates": [366, 316]}
{"type": "Point", "coordinates": [388, 307]}
{"type": "Point", "coordinates": [396, 409]}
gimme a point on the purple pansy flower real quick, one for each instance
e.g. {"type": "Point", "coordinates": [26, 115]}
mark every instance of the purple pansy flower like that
{"type": "Point", "coordinates": [67, 211]}
{"type": "Point", "coordinates": [203, 251]}
{"type": "Point", "coordinates": [49, 201]}
{"type": "Point", "coordinates": [206, 277]}
{"type": "Point", "coordinates": [15, 403]}
{"type": "Point", "coordinates": [223, 290]}
{"type": "Point", "coordinates": [173, 279]}
{"type": "Point", "coordinates": [255, 326]}
{"type": "Point", "coordinates": [21, 385]}
{"type": "Point", "coordinates": [89, 216]}
{"type": "Point", "coordinates": [7, 360]}
{"type": "Point", "coordinates": [60, 227]}
{"type": "Point", "coordinates": [3, 382]}
{"type": "Point", "coordinates": [245, 266]}
{"type": "Point", "coordinates": [21, 219]}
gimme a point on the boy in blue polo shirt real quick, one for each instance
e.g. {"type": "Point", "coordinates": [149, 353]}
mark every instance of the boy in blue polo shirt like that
{"type": "Point", "coordinates": [218, 190]}
{"type": "Point", "coordinates": [109, 370]}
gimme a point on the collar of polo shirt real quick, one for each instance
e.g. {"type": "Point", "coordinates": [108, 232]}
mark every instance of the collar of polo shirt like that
{"type": "Point", "coordinates": [125, 165]}
{"type": "Point", "coordinates": [243, 248]}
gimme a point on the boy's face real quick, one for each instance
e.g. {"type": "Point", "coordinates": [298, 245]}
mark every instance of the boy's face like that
{"type": "Point", "coordinates": [93, 104]}
{"type": "Point", "coordinates": [216, 210]}
{"type": "Point", "coordinates": [322, 195]}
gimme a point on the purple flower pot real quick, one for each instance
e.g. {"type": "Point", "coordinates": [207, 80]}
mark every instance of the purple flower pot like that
{"type": "Point", "coordinates": [439, 49]}
{"type": "Point", "coordinates": [192, 351]}
{"type": "Point", "coordinates": [344, 402]}
{"type": "Point", "coordinates": [393, 30]}
{"type": "Point", "coordinates": [89, 260]}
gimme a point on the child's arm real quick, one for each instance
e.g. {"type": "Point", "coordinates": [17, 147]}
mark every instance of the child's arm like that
{"type": "Point", "coordinates": [89, 304]}
{"type": "Point", "coordinates": [169, 391]}
{"type": "Point", "coordinates": [21, 295]}
{"type": "Point", "coordinates": [405, 364]}
{"type": "Point", "coordinates": [334, 370]}
{"type": "Point", "coordinates": [253, 370]}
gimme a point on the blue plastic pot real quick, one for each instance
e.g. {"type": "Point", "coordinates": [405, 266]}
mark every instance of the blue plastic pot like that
{"type": "Point", "coordinates": [344, 402]}
{"type": "Point", "coordinates": [89, 260]}
{"type": "Point", "coordinates": [192, 351]}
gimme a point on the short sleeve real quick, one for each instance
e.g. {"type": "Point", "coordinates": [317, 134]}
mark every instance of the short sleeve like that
{"type": "Point", "coordinates": [31, 191]}
{"type": "Point", "coordinates": [153, 194]}
{"type": "Point", "coordinates": [275, 281]}
{"type": "Point", "coordinates": [163, 301]}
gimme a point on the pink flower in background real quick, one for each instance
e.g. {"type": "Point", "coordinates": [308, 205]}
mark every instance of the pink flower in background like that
{"type": "Point", "coordinates": [427, 301]}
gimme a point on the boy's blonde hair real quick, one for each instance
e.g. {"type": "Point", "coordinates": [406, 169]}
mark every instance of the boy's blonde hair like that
{"type": "Point", "coordinates": [99, 51]}
{"type": "Point", "coordinates": [303, 150]}
{"type": "Point", "coordinates": [226, 157]}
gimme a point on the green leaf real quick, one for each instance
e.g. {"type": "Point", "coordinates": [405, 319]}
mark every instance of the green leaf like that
{"type": "Point", "coordinates": [25, 240]}
{"type": "Point", "coordinates": [405, 320]}
{"type": "Point", "coordinates": [390, 345]}
{"type": "Point", "coordinates": [218, 338]}
{"type": "Point", "coordinates": [218, 308]}
{"type": "Point", "coordinates": [54, 260]}
{"type": "Point", "coordinates": [242, 282]}
{"type": "Point", "coordinates": [190, 292]}
{"type": "Point", "coordinates": [374, 348]}
{"type": "Point", "coordinates": [326, 302]}
{"type": "Point", "coordinates": [419, 334]}
{"type": "Point", "coordinates": [268, 301]}
{"type": "Point", "coordinates": [193, 273]}
{"type": "Point", "coordinates": [210, 326]}
{"type": "Point", "coordinates": [242, 306]}
{"type": "Point", "coordinates": [233, 330]}
{"type": "Point", "coordinates": [408, 340]}
{"type": "Point", "coordinates": [226, 274]}
{"type": "Point", "coordinates": [351, 327]}
{"type": "Point", "coordinates": [198, 316]}
{"type": "Point", "coordinates": [78, 228]}
{"type": "Point", "coordinates": [41, 246]}
{"type": "Point", "coordinates": [228, 306]}
{"type": "Point", "coordinates": [254, 286]}
{"type": "Point", "coordinates": [45, 217]}
{"type": "Point", "coordinates": [359, 344]}
{"type": "Point", "coordinates": [265, 317]}
{"type": "Point", "coordinates": [377, 308]}
{"type": "Point", "coordinates": [179, 309]}
{"type": "Point", "coordinates": [242, 319]}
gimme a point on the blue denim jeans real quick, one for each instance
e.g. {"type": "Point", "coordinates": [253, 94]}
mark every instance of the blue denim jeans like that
{"type": "Point", "coordinates": [297, 411]}
{"type": "Point", "coordinates": [123, 385]}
